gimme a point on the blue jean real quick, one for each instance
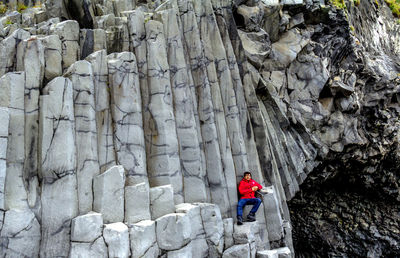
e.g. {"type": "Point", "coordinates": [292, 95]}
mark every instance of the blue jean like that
{"type": "Point", "coordinates": [256, 202]}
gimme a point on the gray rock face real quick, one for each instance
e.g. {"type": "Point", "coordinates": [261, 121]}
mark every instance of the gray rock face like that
{"type": "Point", "coordinates": [161, 201]}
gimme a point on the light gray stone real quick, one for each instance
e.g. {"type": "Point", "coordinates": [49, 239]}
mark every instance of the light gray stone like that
{"type": "Point", "coordinates": [20, 234]}
{"type": "Point", "coordinates": [193, 212]}
{"type": "Point", "coordinates": [143, 240]}
{"type": "Point", "coordinates": [68, 31]}
{"type": "Point", "coordinates": [116, 236]}
{"type": "Point", "coordinates": [13, 191]}
{"type": "Point", "coordinates": [57, 167]}
{"type": "Point", "coordinates": [3, 171]}
{"type": "Point", "coordinates": [159, 121]}
{"type": "Point", "coordinates": [246, 233]}
{"type": "Point", "coordinates": [89, 250]}
{"type": "Point", "coordinates": [237, 251]}
{"type": "Point", "coordinates": [213, 227]}
{"type": "Point", "coordinates": [199, 248]}
{"type": "Point", "coordinates": [4, 113]}
{"type": "Point", "coordinates": [183, 252]}
{"type": "Point", "coordinates": [105, 140]}
{"type": "Point", "coordinates": [173, 231]}
{"type": "Point", "coordinates": [272, 213]}
{"type": "Point", "coordinates": [52, 56]}
{"type": "Point", "coordinates": [108, 191]}
{"type": "Point", "coordinates": [137, 203]}
{"type": "Point", "coordinates": [8, 47]}
{"type": "Point", "coordinates": [292, 2]}
{"type": "Point", "coordinates": [87, 228]}
{"type": "Point", "coordinates": [228, 233]}
{"type": "Point", "coordinates": [283, 252]}
{"type": "Point", "coordinates": [126, 106]}
{"type": "Point", "coordinates": [81, 75]}
{"type": "Point", "coordinates": [161, 201]}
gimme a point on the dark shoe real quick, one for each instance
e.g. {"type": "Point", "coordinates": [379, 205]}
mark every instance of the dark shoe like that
{"type": "Point", "coordinates": [239, 220]}
{"type": "Point", "coordinates": [251, 217]}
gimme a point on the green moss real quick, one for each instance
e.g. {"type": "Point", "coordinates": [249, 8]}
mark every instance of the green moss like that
{"type": "Point", "coordinates": [21, 7]}
{"type": "Point", "coordinates": [356, 2]}
{"type": "Point", "coordinates": [8, 22]}
{"type": "Point", "coordinates": [3, 8]}
{"type": "Point", "coordinates": [394, 5]}
{"type": "Point", "coordinates": [340, 4]}
{"type": "Point", "coordinates": [352, 28]}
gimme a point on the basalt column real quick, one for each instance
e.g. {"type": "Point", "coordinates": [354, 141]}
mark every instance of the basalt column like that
{"type": "Point", "coordinates": [30, 58]}
{"type": "Point", "coordinates": [207, 23]}
{"type": "Point", "coordinates": [126, 107]}
{"type": "Point", "coordinates": [57, 166]}
{"type": "Point", "coordinates": [87, 164]}
{"type": "Point", "coordinates": [12, 88]}
{"type": "Point", "coordinates": [189, 147]}
{"type": "Point", "coordinates": [105, 141]}
{"type": "Point", "coordinates": [160, 130]}
{"type": "Point", "coordinates": [214, 165]}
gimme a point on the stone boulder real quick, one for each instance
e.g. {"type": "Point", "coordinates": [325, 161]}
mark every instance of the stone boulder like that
{"type": "Point", "coordinates": [173, 231]}
{"type": "Point", "coordinates": [161, 201]}
{"type": "Point", "coordinates": [237, 251]}
{"type": "Point", "coordinates": [143, 241]}
{"type": "Point", "coordinates": [108, 189]}
{"type": "Point", "coordinates": [116, 236]}
{"type": "Point", "coordinates": [87, 228]}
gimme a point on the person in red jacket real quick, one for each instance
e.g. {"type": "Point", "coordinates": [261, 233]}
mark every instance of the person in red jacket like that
{"type": "Point", "coordinates": [247, 189]}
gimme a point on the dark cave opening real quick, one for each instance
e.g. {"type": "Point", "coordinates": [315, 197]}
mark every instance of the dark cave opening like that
{"type": "Point", "coordinates": [338, 214]}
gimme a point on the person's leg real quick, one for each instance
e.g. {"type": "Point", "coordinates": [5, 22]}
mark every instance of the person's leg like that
{"type": "Point", "coordinates": [241, 204]}
{"type": "Point", "coordinates": [256, 202]}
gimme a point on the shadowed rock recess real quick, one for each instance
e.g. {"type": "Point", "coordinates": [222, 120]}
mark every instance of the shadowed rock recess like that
{"type": "Point", "coordinates": [126, 126]}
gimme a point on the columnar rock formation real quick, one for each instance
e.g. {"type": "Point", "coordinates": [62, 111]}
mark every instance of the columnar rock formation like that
{"type": "Point", "coordinates": [127, 125]}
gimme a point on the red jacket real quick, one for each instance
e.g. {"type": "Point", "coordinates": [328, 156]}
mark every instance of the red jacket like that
{"type": "Point", "coordinates": [245, 188]}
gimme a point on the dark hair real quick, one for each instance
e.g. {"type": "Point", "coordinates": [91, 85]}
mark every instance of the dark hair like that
{"type": "Point", "coordinates": [246, 173]}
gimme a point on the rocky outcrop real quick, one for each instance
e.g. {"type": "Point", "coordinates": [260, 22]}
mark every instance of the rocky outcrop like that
{"type": "Point", "coordinates": [128, 124]}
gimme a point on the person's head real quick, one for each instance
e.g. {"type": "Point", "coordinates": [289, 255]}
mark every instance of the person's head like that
{"type": "Point", "coordinates": [247, 175]}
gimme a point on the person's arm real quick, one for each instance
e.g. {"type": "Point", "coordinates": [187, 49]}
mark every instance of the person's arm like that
{"type": "Point", "coordinates": [258, 185]}
{"type": "Point", "coordinates": [243, 189]}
